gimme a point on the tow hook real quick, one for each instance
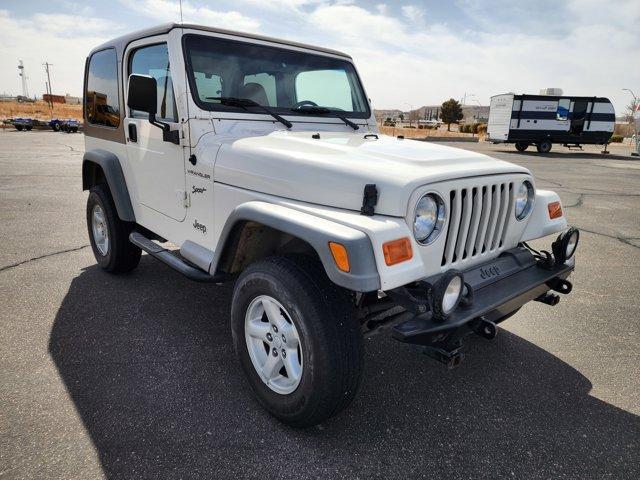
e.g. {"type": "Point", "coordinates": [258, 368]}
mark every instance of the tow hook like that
{"type": "Point", "coordinates": [450, 358]}
{"type": "Point", "coordinates": [485, 328]}
{"type": "Point", "coordinates": [561, 286]}
{"type": "Point", "coordinates": [549, 299]}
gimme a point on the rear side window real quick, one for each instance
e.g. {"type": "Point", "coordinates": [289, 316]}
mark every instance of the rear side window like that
{"type": "Point", "coordinates": [154, 61]}
{"type": "Point", "coordinates": [101, 96]}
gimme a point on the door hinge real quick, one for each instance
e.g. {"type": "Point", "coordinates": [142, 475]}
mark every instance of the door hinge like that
{"type": "Point", "coordinates": [186, 198]}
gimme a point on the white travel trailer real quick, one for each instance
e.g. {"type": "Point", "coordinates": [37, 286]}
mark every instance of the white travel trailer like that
{"type": "Point", "coordinates": [542, 120]}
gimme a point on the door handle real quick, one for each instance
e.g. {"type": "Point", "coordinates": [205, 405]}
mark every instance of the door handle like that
{"type": "Point", "coordinates": [133, 132]}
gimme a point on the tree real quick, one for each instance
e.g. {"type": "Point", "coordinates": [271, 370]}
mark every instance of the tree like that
{"type": "Point", "coordinates": [414, 116]}
{"type": "Point", "coordinates": [401, 117]}
{"type": "Point", "coordinates": [451, 112]}
{"type": "Point", "coordinates": [630, 111]}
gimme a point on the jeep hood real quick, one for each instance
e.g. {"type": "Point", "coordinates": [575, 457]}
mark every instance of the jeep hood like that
{"type": "Point", "coordinates": [334, 169]}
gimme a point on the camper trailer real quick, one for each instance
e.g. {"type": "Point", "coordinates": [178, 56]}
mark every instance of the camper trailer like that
{"type": "Point", "coordinates": [543, 120]}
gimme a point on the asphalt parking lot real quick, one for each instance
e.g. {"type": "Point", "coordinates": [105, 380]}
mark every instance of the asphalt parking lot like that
{"type": "Point", "coordinates": [134, 376]}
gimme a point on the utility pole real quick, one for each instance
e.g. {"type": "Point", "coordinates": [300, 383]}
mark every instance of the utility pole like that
{"type": "Point", "coordinates": [46, 67]}
{"type": "Point", "coordinates": [23, 77]}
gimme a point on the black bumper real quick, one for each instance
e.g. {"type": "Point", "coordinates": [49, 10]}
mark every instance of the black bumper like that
{"type": "Point", "coordinates": [498, 287]}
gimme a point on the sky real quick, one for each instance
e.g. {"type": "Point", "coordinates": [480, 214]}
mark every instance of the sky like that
{"type": "Point", "coordinates": [409, 53]}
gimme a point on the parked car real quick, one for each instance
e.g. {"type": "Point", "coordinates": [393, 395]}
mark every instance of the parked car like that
{"type": "Point", "coordinates": [261, 161]}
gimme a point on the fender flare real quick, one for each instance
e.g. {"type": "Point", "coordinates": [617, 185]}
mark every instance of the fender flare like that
{"type": "Point", "coordinates": [112, 169]}
{"type": "Point", "coordinates": [317, 232]}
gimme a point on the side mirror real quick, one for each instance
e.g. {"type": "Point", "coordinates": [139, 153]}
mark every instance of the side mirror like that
{"type": "Point", "coordinates": [142, 94]}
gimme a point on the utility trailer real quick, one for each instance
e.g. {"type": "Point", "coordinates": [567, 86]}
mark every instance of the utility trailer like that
{"type": "Point", "coordinates": [543, 120]}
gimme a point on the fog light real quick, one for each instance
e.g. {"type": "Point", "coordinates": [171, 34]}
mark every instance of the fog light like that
{"type": "Point", "coordinates": [565, 245]}
{"type": "Point", "coordinates": [446, 293]}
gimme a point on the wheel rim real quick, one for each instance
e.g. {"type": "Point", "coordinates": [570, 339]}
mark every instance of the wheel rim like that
{"type": "Point", "coordinates": [100, 231]}
{"type": "Point", "coordinates": [274, 344]}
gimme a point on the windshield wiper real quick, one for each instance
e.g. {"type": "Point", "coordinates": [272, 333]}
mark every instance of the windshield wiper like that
{"type": "Point", "coordinates": [247, 102]}
{"type": "Point", "coordinates": [323, 111]}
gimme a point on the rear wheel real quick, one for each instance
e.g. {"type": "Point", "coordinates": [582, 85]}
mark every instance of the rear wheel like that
{"type": "Point", "coordinates": [544, 147]}
{"type": "Point", "coordinates": [108, 234]}
{"type": "Point", "coordinates": [19, 128]}
{"type": "Point", "coordinates": [297, 339]}
{"type": "Point", "coordinates": [521, 146]}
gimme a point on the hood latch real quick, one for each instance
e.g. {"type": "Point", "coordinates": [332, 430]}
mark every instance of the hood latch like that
{"type": "Point", "coordinates": [369, 199]}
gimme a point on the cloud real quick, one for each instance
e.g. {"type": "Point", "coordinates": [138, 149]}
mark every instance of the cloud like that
{"type": "Point", "coordinates": [480, 47]}
{"type": "Point", "coordinates": [590, 55]}
{"type": "Point", "coordinates": [63, 40]}
{"type": "Point", "coordinates": [413, 13]}
{"type": "Point", "coordinates": [169, 11]}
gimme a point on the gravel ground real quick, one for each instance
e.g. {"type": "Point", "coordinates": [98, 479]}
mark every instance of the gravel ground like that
{"type": "Point", "coordinates": [134, 376]}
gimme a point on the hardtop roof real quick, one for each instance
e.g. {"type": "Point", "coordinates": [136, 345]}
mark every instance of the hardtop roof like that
{"type": "Point", "coordinates": [121, 42]}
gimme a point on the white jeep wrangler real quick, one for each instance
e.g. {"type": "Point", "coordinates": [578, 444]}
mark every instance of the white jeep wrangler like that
{"type": "Point", "coordinates": [260, 159]}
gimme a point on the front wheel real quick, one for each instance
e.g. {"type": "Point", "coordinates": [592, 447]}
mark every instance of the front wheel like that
{"type": "Point", "coordinates": [544, 147]}
{"type": "Point", "coordinates": [521, 146]}
{"type": "Point", "coordinates": [297, 339]}
{"type": "Point", "coordinates": [108, 234]}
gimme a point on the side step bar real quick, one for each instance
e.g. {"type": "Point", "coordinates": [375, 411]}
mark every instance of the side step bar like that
{"type": "Point", "coordinates": [166, 257]}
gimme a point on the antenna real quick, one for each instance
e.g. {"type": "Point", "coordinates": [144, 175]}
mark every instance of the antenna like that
{"type": "Point", "coordinates": [23, 76]}
{"type": "Point", "coordinates": [181, 21]}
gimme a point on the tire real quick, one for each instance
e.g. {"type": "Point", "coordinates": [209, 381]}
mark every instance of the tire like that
{"type": "Point", "coordinates": [320, 316]}
{"type": "Point", "coordinates": [117, 254]}
{"type": "Point", "coordinates": [19, 128]}
{"type": "Point", "coordinates": [521, 146]}
{"type": "Point", "coordinates": [74, 130]}
{"type": "Point", "coordinates": [28, 129]}
{"type": "Point", "coordinates": [55, 127]}
{"type": "Point", "coordinates": [544, 147]}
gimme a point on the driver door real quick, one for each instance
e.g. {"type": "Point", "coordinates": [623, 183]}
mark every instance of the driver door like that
{"type": "Point", "coordinates": [157, 165]}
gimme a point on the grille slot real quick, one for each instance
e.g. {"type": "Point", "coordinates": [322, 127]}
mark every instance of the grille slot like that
{"type": "Point", "coordinates": [478, 221]}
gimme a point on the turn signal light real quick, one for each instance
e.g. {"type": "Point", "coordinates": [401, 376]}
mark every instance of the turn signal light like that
{"type": "Point", "coordinates": [340, 256]}
{"type": "Point", "coordinates": [397, 251]}
{"type": "Point", "coordinates": [555, 210]}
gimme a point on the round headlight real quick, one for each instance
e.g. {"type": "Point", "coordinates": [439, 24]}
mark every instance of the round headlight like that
{"type": "Point", "coordinates": [524, 200]}
{"type": "Point", "coordinates": [428, 219]}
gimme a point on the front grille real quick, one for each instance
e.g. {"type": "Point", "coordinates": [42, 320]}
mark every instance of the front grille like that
{"type": "Point", "coordinates": [478, 221]}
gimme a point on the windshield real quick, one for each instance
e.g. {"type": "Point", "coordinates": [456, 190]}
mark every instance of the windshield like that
{"type": "Point", "coordinates": [286, 81]}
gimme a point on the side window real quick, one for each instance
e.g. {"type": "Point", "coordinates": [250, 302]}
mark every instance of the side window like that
{"type": "Point", "coordinates": [326, 88]}
{"type": "Point", "coordinates": [562, 113]}
{"type": "Point", "coordinates": [262, 84]}
{"type": "Point", "coordinates": [101, 95]}
{"type": "Point", "coordinates": [154, 61]}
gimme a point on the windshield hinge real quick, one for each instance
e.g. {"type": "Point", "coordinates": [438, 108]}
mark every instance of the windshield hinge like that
{"type": "Point", "coordinates": [187, 200]}
{"type": "Point", "coordinates": [369, 199]}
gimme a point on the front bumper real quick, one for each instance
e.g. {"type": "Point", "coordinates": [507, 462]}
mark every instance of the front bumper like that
{"type": "Point", "coordinates": [498, 287]}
